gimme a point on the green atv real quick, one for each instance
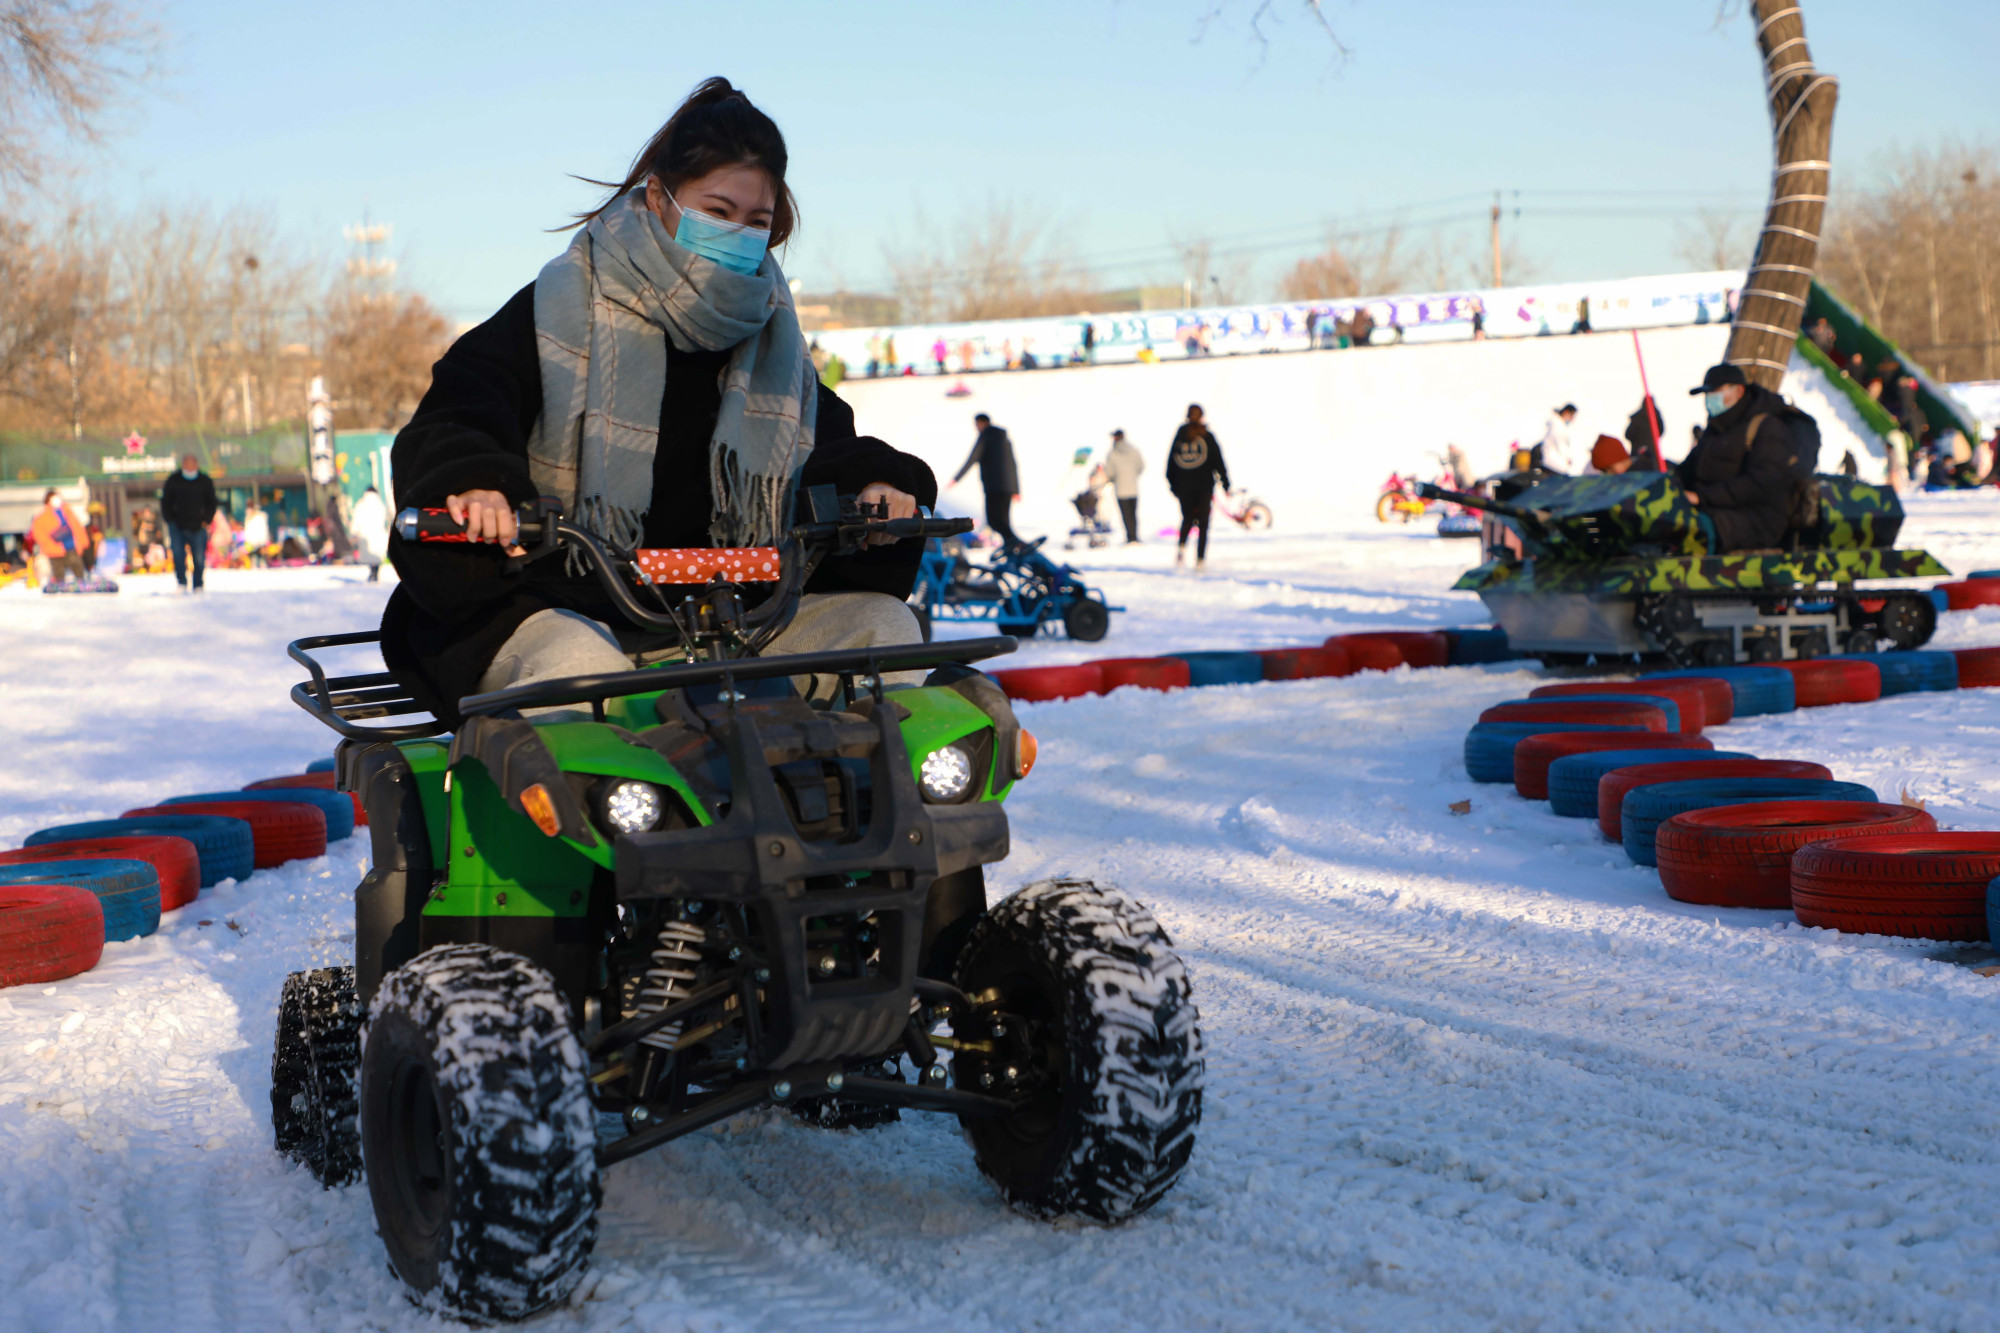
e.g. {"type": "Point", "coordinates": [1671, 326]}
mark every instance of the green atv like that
{"type": "Point", "coordinates": [587, 933]}
{"type": "Point", "coordinates": [1616, 566]}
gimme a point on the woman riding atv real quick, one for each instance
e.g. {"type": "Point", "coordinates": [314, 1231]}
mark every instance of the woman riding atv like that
{"type": "Point", "coordinates": [653, 379]}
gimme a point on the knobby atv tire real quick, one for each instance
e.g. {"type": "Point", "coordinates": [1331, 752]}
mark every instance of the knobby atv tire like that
{"type": "Point", "coordinates": [1741, 855]}
{"type": "Point", "coordinates": [1929, 886]}
{"type": "Point", "coordinates": [315, 1063]}
{"type": "Point", "coordinates": [1107, 1028]}
{"type": "Point", "coordinates": [48, 932]}
{"type": "Point", "coordinates": [477, 1133]}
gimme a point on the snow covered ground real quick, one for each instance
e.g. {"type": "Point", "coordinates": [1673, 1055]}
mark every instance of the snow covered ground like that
{"type": "Point", "coordinates": [1464, 1072]}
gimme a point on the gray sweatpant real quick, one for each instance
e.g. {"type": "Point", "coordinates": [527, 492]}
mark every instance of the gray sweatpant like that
{"type": "Point", "coordinates": [552, 644]}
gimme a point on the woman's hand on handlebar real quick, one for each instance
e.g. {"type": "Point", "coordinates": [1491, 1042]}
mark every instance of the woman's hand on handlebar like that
{"type": "Point", "coordinates": [486, 515]}
{"type": "Point", "coordinates": [901, 505]}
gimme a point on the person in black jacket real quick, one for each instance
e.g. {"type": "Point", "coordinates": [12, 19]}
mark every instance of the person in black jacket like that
{"type": "Point", "coordinates": [1739, 472]}
{"type": "Point", "coordinates": [1194, 465]}
{"type": "Point", "coordinates": [1643, 432]}
{"type": "Point", "coordinates": [659, 328]}
{"type": "Point", "coordinates": [998, 477]}
{"type": "Point", "coordinates": [187, 503]}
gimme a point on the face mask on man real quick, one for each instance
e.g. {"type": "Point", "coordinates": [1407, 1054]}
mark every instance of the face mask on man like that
{"type": "Point", "coordinates": [1715, 403]}
{"type": "Point", "coordinates": [738, 248]}
{"type": "Point", "coordinates": [189, 473]}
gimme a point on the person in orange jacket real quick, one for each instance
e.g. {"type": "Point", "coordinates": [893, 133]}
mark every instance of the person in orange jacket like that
{"type": "Point", "coordinates": [59, 539]}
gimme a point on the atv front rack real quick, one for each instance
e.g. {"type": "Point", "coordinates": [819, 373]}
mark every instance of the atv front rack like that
{"type": "Point", "coordinates": [342, 701]}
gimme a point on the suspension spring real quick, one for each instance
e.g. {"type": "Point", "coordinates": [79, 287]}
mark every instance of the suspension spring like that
{"type": "Point", "coordinates": [676, 956]}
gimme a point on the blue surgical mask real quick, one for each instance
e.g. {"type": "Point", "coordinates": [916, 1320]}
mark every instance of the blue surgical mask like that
{"type": "Point", "coordinates": [738, 248]}
{"type": "Point", "coordinates": [1715, 403]}
{"type": "Point", "coordinates": [190, 473]}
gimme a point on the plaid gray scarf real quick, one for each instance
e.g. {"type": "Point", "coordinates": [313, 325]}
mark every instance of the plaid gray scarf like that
{"type": "Point", "coordinates": [600, 308]}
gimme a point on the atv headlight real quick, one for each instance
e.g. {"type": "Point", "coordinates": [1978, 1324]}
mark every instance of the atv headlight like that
{"type": "Point", "coordinates": [947, 775]}
{"type": "Point", "coordinates": [630, 806]}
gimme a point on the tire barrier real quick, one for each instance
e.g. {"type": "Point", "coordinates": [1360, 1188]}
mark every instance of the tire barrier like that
{"type": "Point", "coordinates": [1968, 593]}
{"type": "Point", "coordinates": [1741, 855]}
{"type": "Point", "coordinates": [1646, 808]}
{"type": "Point", "coordinates": [338, 807]}
{"type": "Point", "coordinates": [1368, 652]}
{"type": "Point", "coordinates": [1041, 684]}
{"type": "Point", "coordinates": [1613, 786]}
{"type": "Point", "coordinates": [1420, 648]}
{"type": "Point", "coordinates": [1907, 673]}
{"type": "Point", "coordinates": [322, 781]}
{"type": "Point", "coordinates": [1821, 681]}
{"type": "Point", "coordinates": [1573, 778]}
{"type": "Point", "coordinates": [280, 831]}
{"type": "Point", "coordinates": [1223, 668]}
{"type": "Point", "coordinates": [1930, 886]}
{"type": "Point", "coordinates": [1689, 697]}
{"type": "Point", "coordinates": [1978, 668]}
{"type": "Point", "coordinates": [321, 765]}
{"type": "Point", "coordinates": [1652, 714]}
{"type": "Point", "coordinates": [1148, 673]}
{"type": "Point", "coordinates": [1534, 754]}
{"type": "Point", "coordinates": [223, 847]}
{"type": "Point", "coordinates": [1489, 746]}
{"type": "Point", "coordinates": [48, 932]}
{"type": "Point", "coordinates": [174, 861]}
{"type": "Point", "coordinates": [1305, 663]}
{"type": "Point", "coordinates": [128, 891]}
{"type": "Point", "coordinates": [1477, 647]}
{"type": "Point", "coordinates": [1756, 690]}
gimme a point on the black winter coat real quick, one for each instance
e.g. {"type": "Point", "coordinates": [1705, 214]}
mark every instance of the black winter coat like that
{"type": "Point", "coordinates": [456, 605]}
{"type": "Point", "coordinates": [1747, 492]}
{"type": "Point", "coordinates": [1194, 465]}
{"type": "Point", "coordinates": [188, 504]}
{"type": "Point", "coordinates": [1643, 435]}
{"type": "Point", "coordinates": [994, 453]}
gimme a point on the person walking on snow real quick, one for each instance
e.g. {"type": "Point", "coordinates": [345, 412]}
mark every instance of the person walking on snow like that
{"type": "Point", "coordinates": [187, 503]}
{"type": "Point", "coordinates": [1194, 465]}
{"type": "Point", "coordinates": [1123, 465]}
{"type": "Point", "coordinates": [369, 531]}
{"type": "Point", "coordinates": [1554, 450]}
{"type": "Point", "coordinates": [60, 542]}
{"type": "Point", "coordinates": [998, 477]}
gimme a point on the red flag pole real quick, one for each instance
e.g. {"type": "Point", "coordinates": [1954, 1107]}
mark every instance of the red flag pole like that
{"type": "Point", "coordinates": [1652, 413]}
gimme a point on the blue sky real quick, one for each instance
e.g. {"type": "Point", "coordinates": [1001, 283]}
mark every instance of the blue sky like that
{"type": "Point", "coordinates": [1124, 124]}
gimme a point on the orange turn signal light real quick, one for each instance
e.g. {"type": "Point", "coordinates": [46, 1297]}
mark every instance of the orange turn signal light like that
{"type": "Point", "coordinates": [1029, 750]}
{"type": "Point", "coordinates": [539, 806]}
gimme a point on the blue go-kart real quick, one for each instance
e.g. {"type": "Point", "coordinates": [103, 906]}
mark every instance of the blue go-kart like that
{"type": "Point", "coordinates": [1018, 592]}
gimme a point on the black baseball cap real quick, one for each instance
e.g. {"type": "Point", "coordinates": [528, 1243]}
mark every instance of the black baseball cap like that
{"type": "Point", "coordinates": [1566, 407]}
{"type": "Point", "coordinates": [1717, 376]}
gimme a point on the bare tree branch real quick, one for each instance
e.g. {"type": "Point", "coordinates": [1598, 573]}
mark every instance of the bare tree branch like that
{"type": "Point", "coordinates": [62, 63]}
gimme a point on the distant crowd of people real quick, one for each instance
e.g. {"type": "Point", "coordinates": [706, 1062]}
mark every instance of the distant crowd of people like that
{"type": "Point", "coordinates": [1936, 460]}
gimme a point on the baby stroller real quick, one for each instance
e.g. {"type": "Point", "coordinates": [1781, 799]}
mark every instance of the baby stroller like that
{"type": "Point", "coordinates": [1090, 528]}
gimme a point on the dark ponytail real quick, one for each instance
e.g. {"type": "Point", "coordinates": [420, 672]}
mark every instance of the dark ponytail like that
{"type": "Point", "coordinates": [716, 127]}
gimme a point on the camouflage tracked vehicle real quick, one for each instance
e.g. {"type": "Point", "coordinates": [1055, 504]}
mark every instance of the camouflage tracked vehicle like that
{"type": "Point", "coordinates": [1617, 566]}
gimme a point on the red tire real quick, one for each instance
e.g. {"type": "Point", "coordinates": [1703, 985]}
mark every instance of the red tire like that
{"type": "Point", "coordinates": [1927, 886]}
{"type": "Point", "coordinates": [1368, 652]}
{"type": "Point", "coordinates": [1305, 663]}
{"type": "Point", "coordinates": [1820, 682]}
{"type": "Point", "coordinates": [1148, 673]}
{"type": "Point", "coordinates": [280, 831]}
{"type": "Point", "coordinates": [1611, 788]}
{"type": "Point", "coordinates": [314, 781]}
{"type": "Point", "coordinates": [1977, 667]}
{"type": "Point", "coordinates": [1040, 684]}
{"type": "Point", "coordinates": [1688, 695]}
{"type": "Point", "coordinates": [1601, 711]}
{"type": "Point", "coordinates": [174, 860]}
{"type": "Point", "coordinates": [48, 932]}
{"type": "Point", "coordinates": [1420, 648]}
{"type": "Point", "coordinates": [1741, 855]}
{"type": "Point", "coordinates": [1968, 593]}
{"type": "Point", "coordinates": [1534, 754]}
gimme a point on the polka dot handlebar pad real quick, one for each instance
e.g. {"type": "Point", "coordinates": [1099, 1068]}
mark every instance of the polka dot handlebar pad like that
{"type": "Point", "coordinates": [737, 564]}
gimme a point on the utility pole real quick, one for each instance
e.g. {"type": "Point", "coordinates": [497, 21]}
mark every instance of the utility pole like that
{"type": "Point", "coordinates": [1496, 238]}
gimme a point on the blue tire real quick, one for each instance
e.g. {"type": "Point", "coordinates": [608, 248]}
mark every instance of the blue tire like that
{"type": "Point", "coordinates": [1659, 701]}
{"type": "Point", "coordinates": [1222, 668]}
{"type": "Point", "coordinates": [1573, 778]}
{"type": "Point", "coordinates": [1993, 910]}
{"type": "Point", "coordinates": [1489, 746]}
{"type": "Point", "coordinates": [1908, 672]}
{"type": "Point", "coordinates": [338, 805]}
{"type": "Point", "coordinates": [1475, 647]}
{"type": "Point", "coordinates": [1939, 599]}
{"type": "Point", "coordinates": [224, 846]}
{"type": "Point", "coordinates": [129, 890]}
{"type": "Point", "coordinates": [1646, 808]}
{"type": "Point", "coordinates": [321, 765]}
{"type": "Point", "coordinates": [1754, 689]}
